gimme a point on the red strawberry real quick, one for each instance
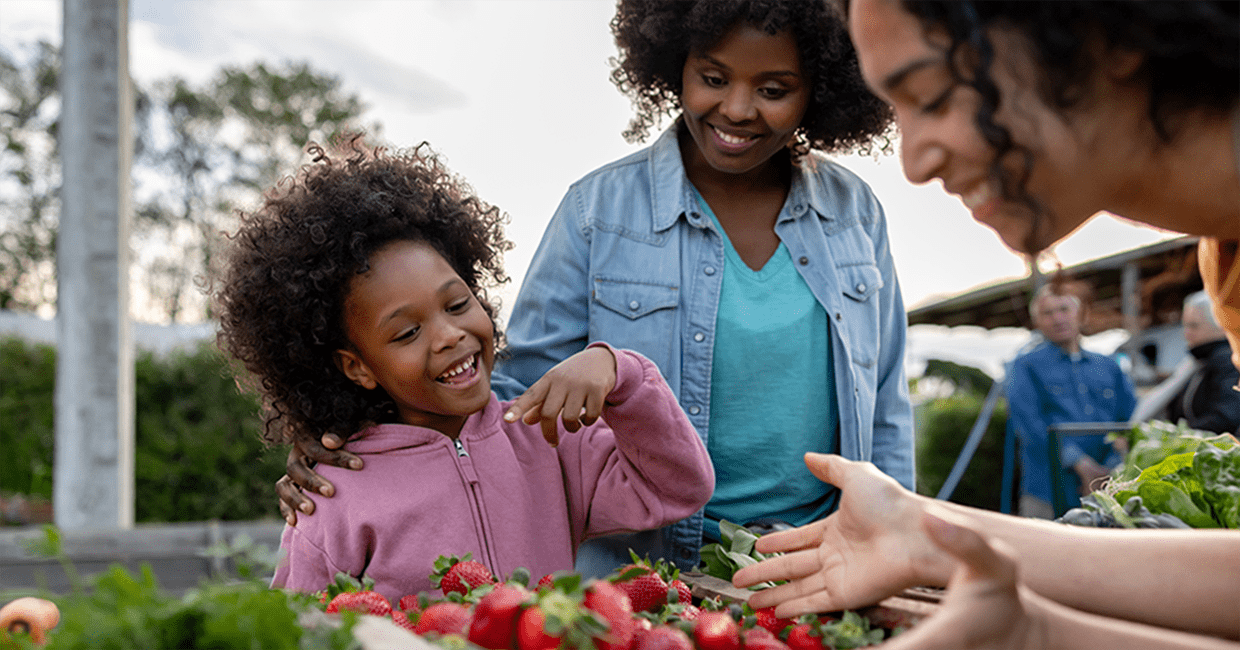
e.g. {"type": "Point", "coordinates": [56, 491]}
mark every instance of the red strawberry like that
{"type": "Point", "coordinates": [760, 638]}
{"type": "Point", "coordinates": [646, 588]}
{"type": "Point", "coordinates": [459, 575]}
{"type": "Point", "coordinates": [716, 631]}
{"type": "Point", "coordinates": [614, 606]}
{"type": "Point", "coordinates": [401, 619]}
{"type": "Point", "coordinates": [362, 602]}
{"type": "Point", "coordinates": [684, 594]}
{"type": "Point", "coordinates": [532, 633]}
{"type": "Point", "coordinates": [494, 623]}
{"type": "Point", "coordinates": [663, 637]}
{"type": "Point", "coordinates": [766, 618]}
{"type": "Point", "coordinates": [410, 603]}
{"type": "Point", "coordinates": [546, 582]}
{"type": "Point", "coordinates": [444, 617]}
{"type": "Point", "coordinates": [687, 612]}
{"type": "Point", "coordinates": [804, 636]}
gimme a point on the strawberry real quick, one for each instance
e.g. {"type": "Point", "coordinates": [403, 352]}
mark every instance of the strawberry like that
{"type": "Point", "coordinates": [760, 638]}
{"type": "Point", "coordinates": [716, 631]}
{"type": "Point", "coordinates": [401, 619]}
{"type": "Point", "coordinates": [684, 595]}
{"type": "Point", "coordinates": [614, 607]}
{"type": "Point", "coordinates": [532, 632]}
{"type": "Point", "coordinates": [494, 623]}
{"type": "Point", "coordinates": [444, 617]}
{"type": "Point", "coordinates": [410, 603]}
{"type": "Point", "coordinates": [645, 588]}
{"type": "Point", "coordinates": [686, 612]}
{"type": "Point", "coordinates": [766, 618]}
{"type": "Point", "coordinates": [804, 636]}
{"type": "Point", "coordinates": [663, 637]}
{"type": "Point", "coordinates": [460, 575]}
{"type": "Point", "coordinates": [546, 582]}
{"type": "Point", "coordinates": [362, 602]}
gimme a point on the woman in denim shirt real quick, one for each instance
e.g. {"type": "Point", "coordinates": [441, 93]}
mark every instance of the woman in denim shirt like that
{"type": "Point", "coordinates": [753, 271]}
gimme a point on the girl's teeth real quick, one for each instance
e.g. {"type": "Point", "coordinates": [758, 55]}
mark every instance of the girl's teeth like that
{"type": "Point", "coordinates": [465, 365]}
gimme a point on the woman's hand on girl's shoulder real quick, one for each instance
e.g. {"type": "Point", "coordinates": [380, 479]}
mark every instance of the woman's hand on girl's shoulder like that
{"type": "Point", "coordinates": [573, 391]}
{"type": "Point", "coordinates": [304, 455]}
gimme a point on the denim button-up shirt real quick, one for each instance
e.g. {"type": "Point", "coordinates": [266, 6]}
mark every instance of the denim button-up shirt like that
{"type": "Point", "coordinates": [1049, 386]}
{"type": "Point", "coordinates": [630, 259]}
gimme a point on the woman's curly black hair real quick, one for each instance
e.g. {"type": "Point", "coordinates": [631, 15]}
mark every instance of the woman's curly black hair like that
{"type": "Point", "coordinates": [280, 293]}
{"type": "Point", "coordinates": [1191, 61]}
{"type": "Point", "coordinates": [655, 38]}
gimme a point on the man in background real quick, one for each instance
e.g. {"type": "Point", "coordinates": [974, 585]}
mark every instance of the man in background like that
{"type": "Point", "coordinates": [1058, 382]}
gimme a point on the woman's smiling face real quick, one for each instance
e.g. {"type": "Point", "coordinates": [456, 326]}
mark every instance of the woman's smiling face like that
{"type": "Point", "coordinates": [743, 99]}
{"type": "Point", "coordinates": [416, 330]}
{"type": "Point", "coordinates": [940, 137]}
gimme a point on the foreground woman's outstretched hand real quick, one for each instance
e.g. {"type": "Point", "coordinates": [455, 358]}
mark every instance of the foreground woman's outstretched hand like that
{"type": "Point", "coordinates": [872, 547]}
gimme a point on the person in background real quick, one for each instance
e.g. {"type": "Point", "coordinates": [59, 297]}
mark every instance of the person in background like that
{"type": "Point", "coordinates": [1209, 401]}
{"type": "Point", "coordinates": [1039, 115]}
{"type": "Point", "coordinates": [1059, 382]}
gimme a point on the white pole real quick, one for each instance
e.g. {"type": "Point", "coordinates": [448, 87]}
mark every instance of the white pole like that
{"type": "Point", "coordinates": [93, 478]}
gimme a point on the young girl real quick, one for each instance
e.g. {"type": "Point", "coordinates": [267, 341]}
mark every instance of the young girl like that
{"type": "Point", "coordinates": [752, 270]}
{"type": "Point", "coordinates": [355, 296]}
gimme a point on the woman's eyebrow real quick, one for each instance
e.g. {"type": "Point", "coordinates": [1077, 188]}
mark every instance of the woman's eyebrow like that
{"type": "Point", "coordinates": [894, 80]}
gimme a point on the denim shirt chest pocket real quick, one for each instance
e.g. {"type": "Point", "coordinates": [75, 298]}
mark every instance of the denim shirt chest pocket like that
{"type": "Point", "coordinates": [859, 317]}
{"type": "Point", "coordinates": [635, 315]}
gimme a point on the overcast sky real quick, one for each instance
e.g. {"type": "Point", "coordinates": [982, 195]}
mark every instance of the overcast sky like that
{"type": "Point", "coordinates": [515, 95]}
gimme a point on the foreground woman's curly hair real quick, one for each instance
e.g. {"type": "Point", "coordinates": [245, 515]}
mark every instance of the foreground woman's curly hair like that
{"type": "Point", "coordinates": [288, 269]}
{"type": "Point", "coordinates": [1190, 62]}
{"type": "Point", "coordinates": [655, 38]}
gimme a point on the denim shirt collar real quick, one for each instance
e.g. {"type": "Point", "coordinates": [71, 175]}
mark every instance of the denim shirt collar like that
{"type": "Point", "coordinates": [673, 194]}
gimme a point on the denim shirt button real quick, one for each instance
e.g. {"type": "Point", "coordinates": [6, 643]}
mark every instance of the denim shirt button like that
{"type": "Point", "coordinates": [710, 270]}
{"type": "Point", "coordinates": [686, 554]}
{"type": "Point", "coordinates": [634, 305]}
{"type": "Point", "coordinates": [861, 287]}
{"type": "Point", "coordinates": [699, 337]}
{"type": "Point", "coordinates": [694, 410]}
{"type": "Point", "coordinates": [839, 316]}
{"type": "Point", "coordinates": [804, 260]}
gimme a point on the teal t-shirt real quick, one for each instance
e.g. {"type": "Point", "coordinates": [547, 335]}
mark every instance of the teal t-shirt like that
{"type": "Point", "coordinates": [772, 394]}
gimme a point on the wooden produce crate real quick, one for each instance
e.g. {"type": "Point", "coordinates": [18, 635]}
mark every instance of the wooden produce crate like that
{"type": "Point", "coordinates": [902, 610]}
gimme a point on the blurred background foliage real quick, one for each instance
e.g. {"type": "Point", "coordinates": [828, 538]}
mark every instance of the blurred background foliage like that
{"type": "Point", "coordinates": [202, 150]}
{"type": "Point", "coordinates": [943, 424]}
{"type": "Point", "coordinates": [198, 454]}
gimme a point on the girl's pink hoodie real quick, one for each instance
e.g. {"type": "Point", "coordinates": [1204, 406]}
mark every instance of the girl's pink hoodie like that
{"type": "Point", "coordinates": [502, 494]}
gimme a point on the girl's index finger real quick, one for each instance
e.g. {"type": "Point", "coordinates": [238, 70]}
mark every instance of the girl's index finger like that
{"type": "Point", "coordinates": [531, 398]}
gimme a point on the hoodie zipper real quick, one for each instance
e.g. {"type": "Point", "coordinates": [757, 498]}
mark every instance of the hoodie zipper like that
{"type": "Point", "coordinates": [466, 467]}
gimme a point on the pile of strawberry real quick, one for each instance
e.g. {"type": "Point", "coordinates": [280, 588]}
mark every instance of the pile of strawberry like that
{"type": "Point", "coordinates": [643, 606]}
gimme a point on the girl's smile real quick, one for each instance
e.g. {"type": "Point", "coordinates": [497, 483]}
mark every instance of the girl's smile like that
{"type": "Point", "coordinates": [417, 331]}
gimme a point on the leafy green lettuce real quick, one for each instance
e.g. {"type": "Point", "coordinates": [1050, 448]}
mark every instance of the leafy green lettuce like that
{"type": "Point", "coordinates": [1192, 475]}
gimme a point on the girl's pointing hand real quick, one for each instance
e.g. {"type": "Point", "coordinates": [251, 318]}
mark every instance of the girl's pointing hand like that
{"type": "Point", "coordinates": [573, 391]}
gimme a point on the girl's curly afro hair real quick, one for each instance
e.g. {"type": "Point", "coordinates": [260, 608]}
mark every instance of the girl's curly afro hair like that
{"type": "Point", "coordinates": [655, 38]}
{"type": "Point", "coordinates": [289, 267]}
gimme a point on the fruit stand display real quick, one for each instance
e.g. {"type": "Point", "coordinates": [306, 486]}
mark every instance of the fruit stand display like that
{"type": "Point", "coordinates": [643, 606]}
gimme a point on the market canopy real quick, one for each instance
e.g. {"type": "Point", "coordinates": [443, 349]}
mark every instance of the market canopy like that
{"type": "Point", "coordinates": [1155, 279]}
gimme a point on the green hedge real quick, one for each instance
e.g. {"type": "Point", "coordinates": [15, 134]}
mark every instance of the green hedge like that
{"type": "Point", "coordinates": [197, 449]}
{"type": "Point", "coordinates": [948, 422]}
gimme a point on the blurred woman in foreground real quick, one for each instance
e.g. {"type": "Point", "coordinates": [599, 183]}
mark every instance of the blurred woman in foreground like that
{"type": "Point", "coordinates": [1039, 115]}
